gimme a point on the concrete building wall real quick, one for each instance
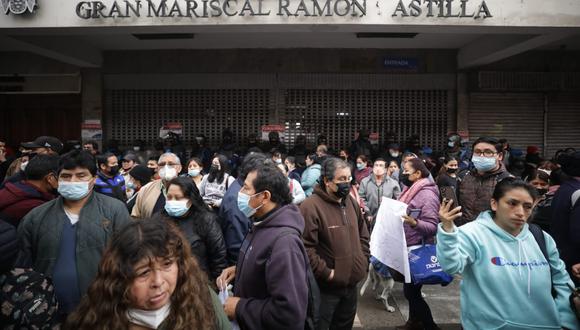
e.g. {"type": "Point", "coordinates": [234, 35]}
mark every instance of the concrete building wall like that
{"type": "Point", "coordinates": [274, 61]}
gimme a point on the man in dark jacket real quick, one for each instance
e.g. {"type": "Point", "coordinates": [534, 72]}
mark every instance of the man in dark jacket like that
{"type": "Point", "coordinates": [65, 238]}
{"type": "Point", "coordinates": [566, 214]}
{"type": "Point", "coordinates": [271, 289]}
{"type": "Point", "coordinates": [476, 189]}
{"type": "Point", "coordinates": [235, 225]}
{"type": "Point", "coordinates": [109, 181]}
{"type": "Point", "coordinates": [18, 198]}
{"type": "Point", "coordinates": [337, 241]}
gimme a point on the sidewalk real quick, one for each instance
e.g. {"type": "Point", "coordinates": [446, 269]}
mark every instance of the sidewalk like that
{"type": "Point", "coordinates": [443, 301]}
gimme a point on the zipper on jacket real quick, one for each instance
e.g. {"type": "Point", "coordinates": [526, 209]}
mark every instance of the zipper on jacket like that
{"type": "Point", "coordinates": [344, 220]}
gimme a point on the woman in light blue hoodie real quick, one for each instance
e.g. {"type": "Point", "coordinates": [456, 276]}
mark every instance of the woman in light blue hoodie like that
{"type": "Point", "coordinates": [506, 282]}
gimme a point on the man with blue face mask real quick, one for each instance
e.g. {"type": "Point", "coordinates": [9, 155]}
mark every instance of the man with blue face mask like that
{"type": "Point", "coordinates": [270, 290]}
{"type": "Point", "coordinates": [65, 238]}
{"type": "Point", "coordinates": [476, 189]}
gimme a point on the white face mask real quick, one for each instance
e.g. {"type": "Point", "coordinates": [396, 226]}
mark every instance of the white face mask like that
{"type": "Point", "coordinates": [23, 166]}
{"type": "Point", "coordinates": [148, 319]}
{"type": "Point", "coordinates": [167, 173]}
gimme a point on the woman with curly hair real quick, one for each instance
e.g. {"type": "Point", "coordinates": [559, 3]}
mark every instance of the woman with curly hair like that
{"type": "Point", "coordinates": [148, 279]}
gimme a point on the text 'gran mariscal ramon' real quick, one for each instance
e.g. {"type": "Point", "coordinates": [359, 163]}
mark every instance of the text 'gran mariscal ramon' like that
{"type": "Point", "coordinates": [218, 8]}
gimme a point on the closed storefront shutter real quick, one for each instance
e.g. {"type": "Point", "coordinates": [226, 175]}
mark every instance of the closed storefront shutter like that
{"type": "Point", "coordinates": [517, 117]}
{"type": "Point", "coordinates": [563, 122]}
{"type": "Point", "coordinates": [336, 105]}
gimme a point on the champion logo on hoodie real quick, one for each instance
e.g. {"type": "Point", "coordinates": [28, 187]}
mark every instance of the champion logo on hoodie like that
{"type": "Point", "coordinates": [499, 261]}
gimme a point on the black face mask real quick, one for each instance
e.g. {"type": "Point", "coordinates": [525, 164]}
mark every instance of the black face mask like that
{"type": "Point", "coordinates": [452, 170]}
{"type": "Point", "coordinates": [542, 191]}
{"type": "Point", "coordinates": [404, 178]}
{"type": "Point", "coordinates": [114, 170]}
{"type": "Point", "coordinates": [214, 169]}
{"type": "Point", "coordinates": [343, 189]}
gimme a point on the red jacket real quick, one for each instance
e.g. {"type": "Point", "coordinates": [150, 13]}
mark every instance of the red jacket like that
{"type": "Point", "coordinates": [17, 199]}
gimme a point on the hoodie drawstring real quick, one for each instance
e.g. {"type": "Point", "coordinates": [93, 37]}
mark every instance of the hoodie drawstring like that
{"type": "Point", "coordinates": [528, 266]}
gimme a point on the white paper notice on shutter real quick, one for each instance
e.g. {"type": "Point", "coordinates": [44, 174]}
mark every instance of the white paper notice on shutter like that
{"type": "Point", "coordinates": [388, 243]}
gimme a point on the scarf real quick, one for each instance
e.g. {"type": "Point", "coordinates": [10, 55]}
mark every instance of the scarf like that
{"type": "Point", "coordinates": [408, 195]}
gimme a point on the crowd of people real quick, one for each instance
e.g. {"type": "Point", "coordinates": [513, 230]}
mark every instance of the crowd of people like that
{"type": "Point", "coordinates": [265, 237]}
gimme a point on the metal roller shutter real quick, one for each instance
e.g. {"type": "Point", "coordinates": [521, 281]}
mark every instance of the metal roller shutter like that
{"type": "Point", "coordinates": [563, 122]}
{"type": "Point", "coordinates": [336, 105]}
{"type": "Point", "coordinates": [340, 113]}
{"type": "Point", "coordinates": [138, 114]}
{"type": "Point", "coordinates": [518, 117]}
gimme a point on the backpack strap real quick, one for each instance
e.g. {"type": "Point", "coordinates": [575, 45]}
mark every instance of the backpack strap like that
{"type": "Point", "coordinates": [538, 234]}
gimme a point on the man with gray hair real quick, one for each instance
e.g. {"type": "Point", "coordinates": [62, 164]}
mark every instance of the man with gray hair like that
{"type": "Point", "coordinates": [151, 198]}
{"type": "Point", "coordinates": [337, 242]}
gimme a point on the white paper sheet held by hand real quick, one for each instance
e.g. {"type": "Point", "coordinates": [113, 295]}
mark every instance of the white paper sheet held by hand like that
{"type": "Point", "coordinates": [388, 243]}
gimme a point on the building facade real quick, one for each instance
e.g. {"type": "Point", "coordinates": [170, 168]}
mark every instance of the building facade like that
{"type": "Point", "coordinates": [503, 68]}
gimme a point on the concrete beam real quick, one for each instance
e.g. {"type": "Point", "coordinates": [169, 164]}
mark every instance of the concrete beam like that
{"type": "Point", "coordinates": [64, 49]}
{"type": "Point", "coordinates": [494, 48]}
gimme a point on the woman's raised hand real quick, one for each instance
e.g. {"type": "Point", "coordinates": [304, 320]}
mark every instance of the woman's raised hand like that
{"type": "Point", "coordinates": [448, 216]}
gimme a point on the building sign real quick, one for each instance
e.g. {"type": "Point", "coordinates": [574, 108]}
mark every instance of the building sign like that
{"type": "Point", "coordinates": [92, 129]}
{"type": "Point", "coordinates": [304, 13]}
{"type": "Point", "coordinates": [288, 8]}
{"type": "Point", "coordinates": [401, 64]}
{"type": "Point", "coordinates": [173, 127]}
{"type": "Point", "coordinates": [266, 129]}
{"type": "Point", "coordinates": [218, 8]}
{"type": "Point", "coordinates": [442, 8]}
{"type": "Point", "coordinates": [17, 6]}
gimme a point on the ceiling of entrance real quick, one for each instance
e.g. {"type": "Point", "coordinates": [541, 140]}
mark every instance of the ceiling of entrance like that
{"type": "Point", "coordinates": [475, 45]}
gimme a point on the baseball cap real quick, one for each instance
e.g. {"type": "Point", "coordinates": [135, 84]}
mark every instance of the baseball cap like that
{"type": "Point", "coordinates": [44, 142]}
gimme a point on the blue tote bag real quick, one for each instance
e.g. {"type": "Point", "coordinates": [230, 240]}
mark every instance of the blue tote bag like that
{"type": "Point", "coordinates": [425, 268]}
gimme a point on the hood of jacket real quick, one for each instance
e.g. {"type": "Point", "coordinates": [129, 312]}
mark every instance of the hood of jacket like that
{"type": "Point", "coordinates": [326, 196]}
{"type": "Point", "coordinates": [16, 192]}
{"type": "Point", "coordinates": [285, 216]}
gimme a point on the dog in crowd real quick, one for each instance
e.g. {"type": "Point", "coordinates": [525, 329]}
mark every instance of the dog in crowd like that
{"type": "Point", "coordinates": [377, 278]}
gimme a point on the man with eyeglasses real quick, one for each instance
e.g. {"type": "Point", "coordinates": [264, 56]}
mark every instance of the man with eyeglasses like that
{"type": "Point", "coordinates": [476, 189]}
{"type": "Point", "coordinates": [38, 187]}
{"type": "Point", "coordinates": [337, 242]}
{"type": "Point", "coordinates": [65, 238]}
{"type": "Point", "coordinates": [151, 198]}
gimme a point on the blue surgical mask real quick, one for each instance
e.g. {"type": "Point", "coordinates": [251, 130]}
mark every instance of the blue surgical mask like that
{"type": "Point", "coordinates": [450, 144]}
{"type": "Point", "coordinates": [484, 164]}
{"type": "Point", "coordinates": [130, 185]}
{"type": "Point", "coordinates": [176, 208]}
{"type": "Point", "coordinates": [73, 191]}
{"type": "Point", "coordinates": [244, 204]}
{"type": "Point", "coordinates": [193, 172]}
{"type": "Point", "coordinates": [360, 166]}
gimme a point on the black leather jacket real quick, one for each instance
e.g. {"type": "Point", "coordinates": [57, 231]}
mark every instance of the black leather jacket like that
{"type": "Point", "coordinates": [204, 234]}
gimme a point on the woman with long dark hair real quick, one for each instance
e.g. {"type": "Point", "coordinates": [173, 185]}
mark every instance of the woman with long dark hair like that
{"type": "Point", "coordinates": [215, 184]}
{"type": "Point", "coordinates": [422, 197]}
{"type": "Point", "coordinates": [447, 179]}
{"type": "Point", "coordinates": [507, 281]}
{"type": "Point", "coordinates": [187, 210]}
{"type": "Point", "coordinates": [195, 170]}
{"type": "Point", "coordinates": [147, 279]}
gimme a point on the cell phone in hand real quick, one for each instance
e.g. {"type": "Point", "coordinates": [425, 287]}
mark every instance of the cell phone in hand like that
{"type": "Point", "coordinates": [414, 213]}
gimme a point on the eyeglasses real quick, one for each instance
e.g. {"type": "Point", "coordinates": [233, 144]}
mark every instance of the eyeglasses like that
{"type": "Point", "coordinates": [169, 164]}
{"type": "Point", "coordinates": [485, 153]}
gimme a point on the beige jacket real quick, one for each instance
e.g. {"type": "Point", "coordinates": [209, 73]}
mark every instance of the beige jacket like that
{"type": "Point", "coordinates": [146, 199]}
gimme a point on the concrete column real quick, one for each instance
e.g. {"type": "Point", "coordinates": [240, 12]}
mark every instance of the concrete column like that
{"type": "Point", "coordinates": [462, 103]}
{"type": "Point", "coordinates": [92, 95]}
